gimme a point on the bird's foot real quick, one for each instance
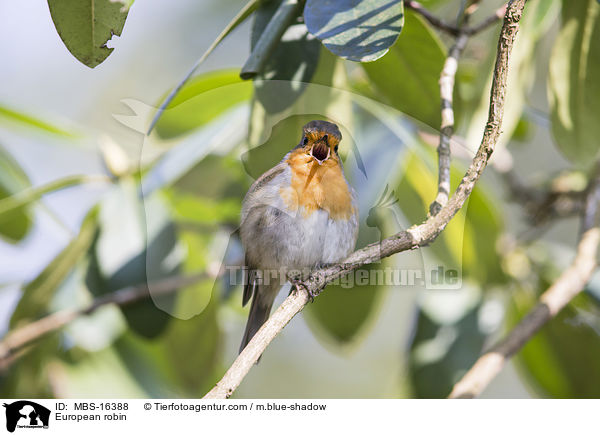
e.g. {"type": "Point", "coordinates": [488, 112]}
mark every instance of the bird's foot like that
{"type": "Point", "coordinates": [298, 285]}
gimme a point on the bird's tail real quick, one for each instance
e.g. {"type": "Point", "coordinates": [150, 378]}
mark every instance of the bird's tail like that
{"type": "Point", "coordinates": [262, 302]}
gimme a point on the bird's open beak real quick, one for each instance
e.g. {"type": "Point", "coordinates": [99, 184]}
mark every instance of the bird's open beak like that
{"type": "Point", "coordinates": [320, 152]}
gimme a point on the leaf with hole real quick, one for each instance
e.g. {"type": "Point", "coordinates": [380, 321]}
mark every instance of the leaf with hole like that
{"type": "Point", "coordinates": [85, 27]}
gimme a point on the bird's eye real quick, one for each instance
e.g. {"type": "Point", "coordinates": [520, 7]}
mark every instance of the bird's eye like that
{"type": "Point", "coordinates": [305, 141]}
{"type": "Point", "coordinates": [325, 138]}
{"type": "Point", "coordinates": [336, 148]}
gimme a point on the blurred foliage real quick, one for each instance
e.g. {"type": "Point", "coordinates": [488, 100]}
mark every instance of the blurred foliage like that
{"type": "Point", "coordinates": [38, 294]}
{"type": "Point", "coordinates": [573, 86]}
{"type": "Point", "coordinates": [202, 100]}
{"type": "Point", "coordinates": [419, 69]}
{"type": "Point", "coordinates": [538, 18]}
{"type": "Point", "coordinates": [443, 349]}
{"type": "Point", "coordinates": [29, 122]}
{"type": "Point", "coordinates": [562, 359]}
{"type": "Point", "coordinates": [293, 62]}
{"type": "Point", "coordinates": [468, 242]}
{"type": "Point", "coordinates": [15, 223]}
{"type": "Point", "coordinates": [178, 215]}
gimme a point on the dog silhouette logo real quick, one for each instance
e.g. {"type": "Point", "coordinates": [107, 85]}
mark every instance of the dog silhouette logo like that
{"type": "Point", "coordinates": [26, 414]}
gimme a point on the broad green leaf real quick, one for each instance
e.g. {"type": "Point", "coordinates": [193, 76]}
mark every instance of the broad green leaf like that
{"type": "Point", "coordinates": [14, 224]}
{"type": "Point", "coordinates": [293, 62]}
{"type": "Point", "coordinates": [136, 245]}
{"type": "Point", "coordinates": [121, 370]}
{"type": "Point", "coordinates": [180, 362]}
{"type": "Point", "coordinates": [193, 348]}
{"type": "Point", "coordinates": [407, 77]}
{"type": "Point", "coordinates": [85, 27]}
{"type": "Point", "coordinates": [240, 17]}
{"type": "Point", "coordinates": [442, 348]}
{"type": "Point", "coordinates": [202, 100]}
{"type": "Point", "coordinates": [39, 292]}
{"type": "Point", "coordinates": [360, 31]}
{"type": "Point", "coordinates": [538, 17]}
{"type": "Point", "coordinates": [344, 312]}
{"type": "Point", "coordinates": [573, 86]}
{"type": "Point", "coordinates": [13, 116]}
{"type": "Point", "coordinates": [561, 361]}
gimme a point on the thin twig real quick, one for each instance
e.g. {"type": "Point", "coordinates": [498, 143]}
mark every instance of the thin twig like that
{"type": "Point", "coordinates": [570, 283]}
{"type": "Point", "coordinates": [541, 205]}
{"type": "Point", "coordinates": [25, 335]}
{"type": "Point", "coordinates": [447, 127]}
{"type": "Point", "coordinates": [450, 28]}
{"type": "Point", "coordinates": [492, 19]}
{"type": "Point", "coordinates": [414, 237]}
{"type": "Point", "coordinates": [433, 20]}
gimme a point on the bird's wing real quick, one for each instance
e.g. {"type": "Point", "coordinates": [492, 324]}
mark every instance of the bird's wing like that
{"type": "Point", "coordinates": [267, 177]}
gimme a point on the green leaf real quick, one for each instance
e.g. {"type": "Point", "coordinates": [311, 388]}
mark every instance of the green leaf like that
{"type": "Point", "coordinates": [359, 31]}
{"type": "Point", "coordinates": [573, 86]}
{"type": "Point", "coordinates": [20, 118]}
{"type": "Point", "coordinates": [562, 359]}
{"type": "Point", "coordinates": [538, 18]}
{"type": "Point", "coordinates": [85, 27]}
{"type": "Point", "coordinates": [39, 292]}
{"type": "Point", "coordinates": [202, 100]}
{"type": "Point", "coordinates": [240, 17]}
{"type": "Point", "coordinates": [293, 62]}
{"type": "Point", "coordinates": [407, 77]}
{"type": "Point", "coordinates": [180, 362]}
{"type": "Point", "coordinates": [12, 207]}
{"type": "Point", "coordinates": [360, 302]}
{"type": "Point", "coordinates": [135, 245]}
{"type": "Point", "coordinates": [443, 348]}
{"type": "Point", "coordinates": [15, 224]}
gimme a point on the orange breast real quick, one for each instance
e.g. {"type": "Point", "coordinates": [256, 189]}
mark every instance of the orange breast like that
{"type": "Point", "coordinates": [317, 186]}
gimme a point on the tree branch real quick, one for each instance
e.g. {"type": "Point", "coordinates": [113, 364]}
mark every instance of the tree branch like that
{"type": "Point", "coordinates": [432, 19]}
{"type": "Point", "coordinates": [570, 283]}
{"type": "Point", "coordinates": [447, 127]}
{"type": "Point", "coordinates": [16, 340]}
{"type": "Point", "coordinates": [414, 237]}
{"type": "Point", "coordinates": [542, 205]}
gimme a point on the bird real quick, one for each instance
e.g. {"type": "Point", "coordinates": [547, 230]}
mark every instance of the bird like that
{"type": "Point", "coordinates": [297, 216]}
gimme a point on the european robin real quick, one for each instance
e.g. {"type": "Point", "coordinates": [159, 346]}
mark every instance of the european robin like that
{"type": "Point", "coordinates": [298, 215]}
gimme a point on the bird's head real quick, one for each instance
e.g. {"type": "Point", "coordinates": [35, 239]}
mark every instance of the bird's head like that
{"type": "Point", "coordinates": [320, 140]}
